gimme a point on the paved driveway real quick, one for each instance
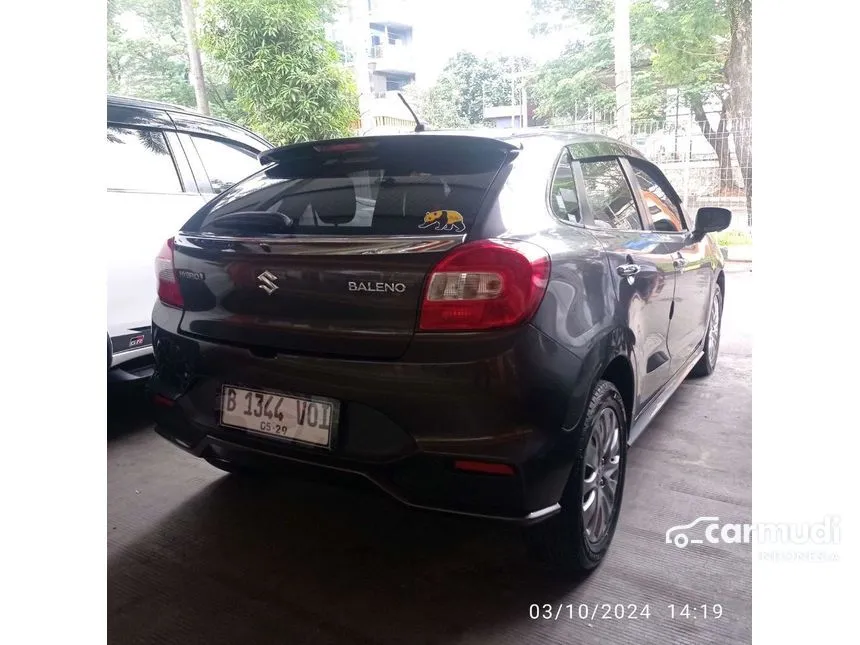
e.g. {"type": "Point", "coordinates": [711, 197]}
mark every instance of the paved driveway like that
{"type": "Point", "coordinates": [197, 557]}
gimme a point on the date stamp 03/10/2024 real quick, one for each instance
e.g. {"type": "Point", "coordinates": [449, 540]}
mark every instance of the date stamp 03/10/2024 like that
{"type": "Point", "coordinates": [597, 611]}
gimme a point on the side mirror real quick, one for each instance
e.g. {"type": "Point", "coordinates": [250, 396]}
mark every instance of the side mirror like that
{"type": "Point", "coordinates": [710, 219]}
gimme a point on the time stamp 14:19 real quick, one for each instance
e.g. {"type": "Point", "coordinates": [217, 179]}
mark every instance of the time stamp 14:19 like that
{"type": "Point", "coordinates": [624, 611]}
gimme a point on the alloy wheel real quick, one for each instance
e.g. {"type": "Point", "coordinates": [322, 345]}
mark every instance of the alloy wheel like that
{"type": "Point", "coordinates": [714, 331]}
{"type": "Point", "coordinates": [602, 469]}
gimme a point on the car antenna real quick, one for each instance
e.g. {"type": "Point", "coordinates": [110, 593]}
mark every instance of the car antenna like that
{"type": "Point", "coordinates": [419, 126]}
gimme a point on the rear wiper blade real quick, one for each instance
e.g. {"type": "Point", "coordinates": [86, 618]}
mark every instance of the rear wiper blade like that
{"type": "Point", "coordinates": [252, 221]}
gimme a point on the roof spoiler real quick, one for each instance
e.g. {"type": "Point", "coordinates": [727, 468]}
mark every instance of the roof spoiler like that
{"type": "Point", "coordinates": [311, 149]}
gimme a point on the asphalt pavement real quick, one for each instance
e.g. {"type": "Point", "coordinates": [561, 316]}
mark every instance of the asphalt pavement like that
{"type": "Point", "coordinates": [198, 556]}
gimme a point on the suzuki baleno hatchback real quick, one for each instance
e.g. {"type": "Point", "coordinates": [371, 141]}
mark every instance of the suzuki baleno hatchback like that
{"type": "Point", "coordinates": [477, 325]}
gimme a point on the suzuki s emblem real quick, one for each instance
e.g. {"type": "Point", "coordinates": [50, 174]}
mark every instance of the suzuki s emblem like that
{"type": "Point", "coordinates": [268, 280]}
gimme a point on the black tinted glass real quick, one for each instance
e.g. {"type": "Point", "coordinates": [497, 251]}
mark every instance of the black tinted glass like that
{"type": "Point", "coordinates": [664, 213]}
{"type": "Point", "coordinates": [424, 187]}
{"type": "Point", "coordinates": [225, 164]}
{"type": "Point", "coordinates": [562, 194]}
{"type": "Point", "coordinates": [609, 196]}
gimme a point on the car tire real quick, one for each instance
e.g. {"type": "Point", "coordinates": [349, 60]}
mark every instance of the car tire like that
{"type": "Point", "coordinates": [708, 363]}
{"type": "Point", "coordinates": [564, 541]}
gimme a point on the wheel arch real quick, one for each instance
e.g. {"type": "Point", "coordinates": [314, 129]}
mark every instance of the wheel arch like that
{"type": "Point", "coordinates": [721, 281]}
{"type": "Point", "coordinates": [620, 373]}
{"type": "Point", "coordinates": [609, 360]}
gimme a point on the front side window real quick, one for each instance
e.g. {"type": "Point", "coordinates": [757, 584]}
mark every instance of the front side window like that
{"type": "Point", "coordinates": [664, 213]}
{"type": "Point", "coordinates": [562, 193]}
{"type": "Point", "coordinates": [225, 164]}
{"type": "Point", "coordinates": [140, 160]}
{"type": "Point", "coordinates": [609, 196]}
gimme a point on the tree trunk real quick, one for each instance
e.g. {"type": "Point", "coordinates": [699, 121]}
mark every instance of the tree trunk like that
{"type": "Point", "coordinates": [623, 108]}
{"type": "Point", "coordinates": [739, 75]}
{"type": "Point", "coordinates": [719, 140]}
{"type": "Point", "coordinates": [195, 64]}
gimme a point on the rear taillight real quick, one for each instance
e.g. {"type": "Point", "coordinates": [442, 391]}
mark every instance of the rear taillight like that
{"type": "Point", "coordinates": [168, 285]}
{"type": "Point", "coordinates": [487, 284]}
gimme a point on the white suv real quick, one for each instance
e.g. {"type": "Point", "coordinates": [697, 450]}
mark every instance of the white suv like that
{"type": "Point", "coordinates": [164, 163]}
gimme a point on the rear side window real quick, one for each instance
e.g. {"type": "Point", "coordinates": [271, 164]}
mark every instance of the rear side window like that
{"type": "Point", "coordinates": [609, 196]}
{"type": "Point", "coordinates": [225, 164]}
{"type": "Point", "coordinates": [139, 159]}
{"type": "Point", "coordinates": [402, 186]}
{"type": "Point", "coordinates": [664, 213]}
{"type": "Point", "coordinates": [562, 193]}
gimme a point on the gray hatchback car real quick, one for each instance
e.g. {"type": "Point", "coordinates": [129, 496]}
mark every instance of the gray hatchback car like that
{"type": "Point", "coordinates": [478, 325]}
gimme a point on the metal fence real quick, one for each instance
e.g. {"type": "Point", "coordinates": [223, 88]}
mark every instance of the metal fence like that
{"type": "Point", "coordinates": [708, 164]}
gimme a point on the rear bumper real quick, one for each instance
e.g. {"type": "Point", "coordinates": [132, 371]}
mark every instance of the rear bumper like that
{"type": "Point", "coordinates": [402, 425]}
{"type": "Point", "coordinates": [448, 494]}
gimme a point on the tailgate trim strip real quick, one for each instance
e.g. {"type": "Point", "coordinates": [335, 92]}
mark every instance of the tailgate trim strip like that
{"type": "Point", "coordinates": [326, 244]}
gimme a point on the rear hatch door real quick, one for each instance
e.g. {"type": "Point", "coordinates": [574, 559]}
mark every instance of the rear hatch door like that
{"type": "Point", "coordinates": [326, 250]}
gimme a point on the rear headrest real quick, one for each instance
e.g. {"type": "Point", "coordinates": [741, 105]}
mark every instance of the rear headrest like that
{"type": "Point", "coordinates": [333, 200]}
{"type": "Point", "coordinates": [293, 205]}
{"type": "Point", "coordinates": [411, 195]}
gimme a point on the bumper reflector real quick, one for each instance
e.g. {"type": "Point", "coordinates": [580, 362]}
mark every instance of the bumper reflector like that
{"type": "Point", "coordinates": [160, 399]}
{"type": "Point", "coordinates": [484, 467]}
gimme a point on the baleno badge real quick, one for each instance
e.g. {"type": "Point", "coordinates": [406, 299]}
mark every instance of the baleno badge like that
{"type": "Point", "coordinates": [377, 287]}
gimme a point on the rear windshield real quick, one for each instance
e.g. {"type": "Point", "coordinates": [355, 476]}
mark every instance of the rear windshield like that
{"type": "Point", "coordinates": [419, 185]}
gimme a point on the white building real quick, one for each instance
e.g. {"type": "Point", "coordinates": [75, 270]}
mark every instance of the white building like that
{"type": "Point", "coordinates": [386, 36]}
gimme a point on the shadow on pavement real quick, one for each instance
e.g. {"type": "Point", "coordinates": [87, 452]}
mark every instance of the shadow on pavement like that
{"type": "Point", "coordinates": [128, 408]}
{"type": "Point", "coordinates": [268, 560]}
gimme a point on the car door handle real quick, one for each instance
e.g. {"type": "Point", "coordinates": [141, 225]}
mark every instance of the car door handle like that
{"type": "Point", "coordinates": [679, 263]}
{"type": "Point", "coordinates": [628, 270]}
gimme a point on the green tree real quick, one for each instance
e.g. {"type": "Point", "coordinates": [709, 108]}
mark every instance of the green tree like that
{"type": "Point", "coordinates": [151, 62]}
{"type": "Point", "coordinates": [466, 85]}
{"type": "Point", "coordinates": [581, 81]}
{"type": "Point", "coordinates": [690, 39]}
{"type": "Point", "coordinates": [437, 105]}
{"type": "Point", "coordinates": [197, 77]}
{"type": "Point", "coordinates": [739, 73]}
{"type": "Point", "coordinates": [679, 44]}
{"type": "Point", "coordinates": [286, 76]}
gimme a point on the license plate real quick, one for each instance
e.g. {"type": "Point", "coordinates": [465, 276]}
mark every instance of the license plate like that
{"type": "Point", "coordinates": [303, 419]}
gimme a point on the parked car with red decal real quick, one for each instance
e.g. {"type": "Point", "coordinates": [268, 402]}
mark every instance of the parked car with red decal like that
{"type": "Point", "coordinates": [164, 162]}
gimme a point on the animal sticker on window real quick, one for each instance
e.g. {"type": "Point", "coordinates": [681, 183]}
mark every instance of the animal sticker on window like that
{"type": "Point", "coordinates": [444, 221]}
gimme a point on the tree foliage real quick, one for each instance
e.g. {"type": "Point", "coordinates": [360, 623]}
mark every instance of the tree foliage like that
{"type": "Point", "coordinates": [690, 41]}
{"type": "Point", "coordinates": [148, 58]}
{"type": "Point", "coordinates": [466, 85]}
{"type": "Point", "coordinates": [480, 82]}
{"type": "Point", "coordinates": [438, 104]}
{"type": "Point", "coordinates": [287, 77]}
{"type": "Point", "coordinates": [675, 44]}
{"type": "Point", "coordinates": [679, 44]}
{"type": "Point", "coordinates": [152, 61]}
{"type": "Point", "coordinates": [739, 73]}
